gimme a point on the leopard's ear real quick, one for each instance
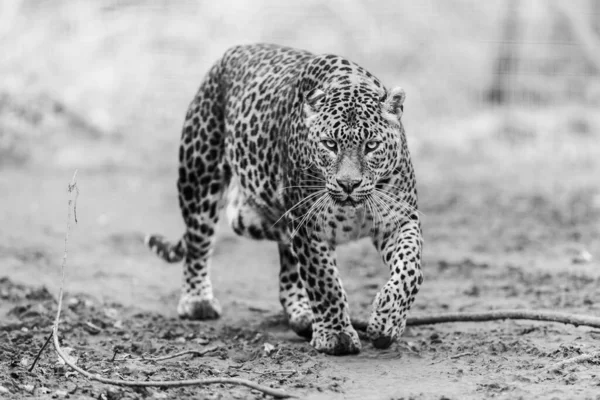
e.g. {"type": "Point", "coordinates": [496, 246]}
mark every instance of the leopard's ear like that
{"type": "Point", "coordinates": [313, 102]}
{"type": "Point", "coordinates": [393, 101]}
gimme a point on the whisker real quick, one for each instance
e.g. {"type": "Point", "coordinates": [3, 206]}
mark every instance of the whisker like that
{"type": "Point", "coordinates": [387, 208]}
{"type": "Point", "coordinates": [309, 166]}
{"type": "Point", "coordinates": [396, 187]}
{"type": "Point", "coordinates": [393, 213]}
{"type": "Point", "coordinates": [379, 213]}
{"type": "Point", "coordinates": [394, 198]}
{"type": "Point", "coordinates": [315, 177]}
{"type": "Point", "coordinates": [303, 218]}
{"type": "Point", "coordinates": [370, 210]}
{"type": "Point", "coordinates": [318, 212]}
{"type": "Point", "coordinates": [308, 214]}
{"type": "Point", "coordinates": [398, 239]}
{"type": "Point", "coordinates": [319, 209]}
{"type": "Point", "coordinates": [301, 186]}
{"type": "Point", "coordinates": [392, 186]}
{"type": "Point", "coordinates": [375, 213]}
{"type": "Point", "coordinates": [298, 204]}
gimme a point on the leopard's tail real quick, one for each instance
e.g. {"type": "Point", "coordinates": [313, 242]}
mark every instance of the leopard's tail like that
{"type": "Point", "coordinates": [168, 251]}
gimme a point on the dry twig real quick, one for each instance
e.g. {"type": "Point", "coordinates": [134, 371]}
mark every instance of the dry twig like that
{"type": "Point", "coordinates": [579, 359]}
{"type": "Point", "coordinates": [118, 382]}
{"type": "Point", "coordinates": [493, 315]}
{"type": "Point", "coordinates": [466, 353]}
{"type": "Point", "coordinates": [114, 355]}
{"type": "Point", "coordinates": [37, 357]}
{"type": "Point", "coordinates": [551, 316]}
{"type": "Point", "coordinates": [199, 353]}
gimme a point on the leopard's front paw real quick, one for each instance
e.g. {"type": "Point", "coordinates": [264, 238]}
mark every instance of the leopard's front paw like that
{"type": "Point", "coordinates": [301, 322]}
{"type": "Point", "coordinates": [387, 322]}
{"type": "Point", "coordinates": [195, 307]}
{"type": "Point", "coordinates": [299, 316]}
{"type": "Point", "coordinates": [336, 342]}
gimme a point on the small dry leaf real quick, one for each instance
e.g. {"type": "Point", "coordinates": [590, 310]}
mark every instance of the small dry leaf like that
{"type": "Point", "coordinates": [268, 349]}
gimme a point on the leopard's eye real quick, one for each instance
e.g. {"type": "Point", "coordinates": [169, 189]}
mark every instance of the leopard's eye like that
{"type": "Point", "coordinates": [372, 146]}
{"type": "Point", "coordinates": [329, 144]}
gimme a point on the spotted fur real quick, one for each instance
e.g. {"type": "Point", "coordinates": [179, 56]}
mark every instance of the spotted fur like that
{"type": "Point", "coordinates": [308, 151]}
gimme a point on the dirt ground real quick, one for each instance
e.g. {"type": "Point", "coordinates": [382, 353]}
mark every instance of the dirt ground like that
{"type": "Point", "coordinates": [510, 199]}
{"type": "Point", "coordinates": [498, 235]}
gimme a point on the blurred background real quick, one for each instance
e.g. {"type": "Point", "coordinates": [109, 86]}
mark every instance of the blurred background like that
{"type": "Point", "coordinates": [121, 73]}
{"type": "Point", "coordinates": [502, 116]}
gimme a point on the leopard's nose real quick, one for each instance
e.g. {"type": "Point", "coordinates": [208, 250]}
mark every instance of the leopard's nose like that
{"type": "Point", "coordinates": [348, 184]}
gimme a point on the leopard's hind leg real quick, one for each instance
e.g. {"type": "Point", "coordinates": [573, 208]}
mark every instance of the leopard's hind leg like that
{"type": "Point", "coordinates": [203, 179]}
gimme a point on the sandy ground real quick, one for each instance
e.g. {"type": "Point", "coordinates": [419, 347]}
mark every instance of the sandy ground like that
{"type": "Point", "coordinates": [498, 235]}
{"type": "Point", "coordinates": [510, 196]}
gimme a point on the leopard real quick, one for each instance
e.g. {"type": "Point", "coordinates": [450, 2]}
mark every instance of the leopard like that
{"type": "Point", "coordinates": [307, 150]}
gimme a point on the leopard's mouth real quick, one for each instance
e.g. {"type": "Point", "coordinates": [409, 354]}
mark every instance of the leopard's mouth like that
{"type": "Point", "coordinates": [348, 201]}
{"type": "Point", "coordinates": [342, 199]}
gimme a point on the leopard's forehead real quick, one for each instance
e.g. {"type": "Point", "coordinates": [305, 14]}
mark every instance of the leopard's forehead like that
{"type": "Point", "coordinates": [352, 107]}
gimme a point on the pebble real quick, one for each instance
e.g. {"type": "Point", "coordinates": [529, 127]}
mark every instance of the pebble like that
{"type": "Point", "coordinates": [28, 388]}
{"type": "Point", "coordinates": [92, 328]}
{"type": "Point", "coordinates": [201, 340]}
{"type": "Point", "coordinates": [42, 390]}
{"type": "Point", "coordinates": [73, 302]}
{"type": "Point", "coordinates": [582, 257]}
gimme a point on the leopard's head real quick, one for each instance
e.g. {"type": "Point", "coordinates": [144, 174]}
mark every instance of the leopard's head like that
{"type": "Point", "coordinates": [356, 135]}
